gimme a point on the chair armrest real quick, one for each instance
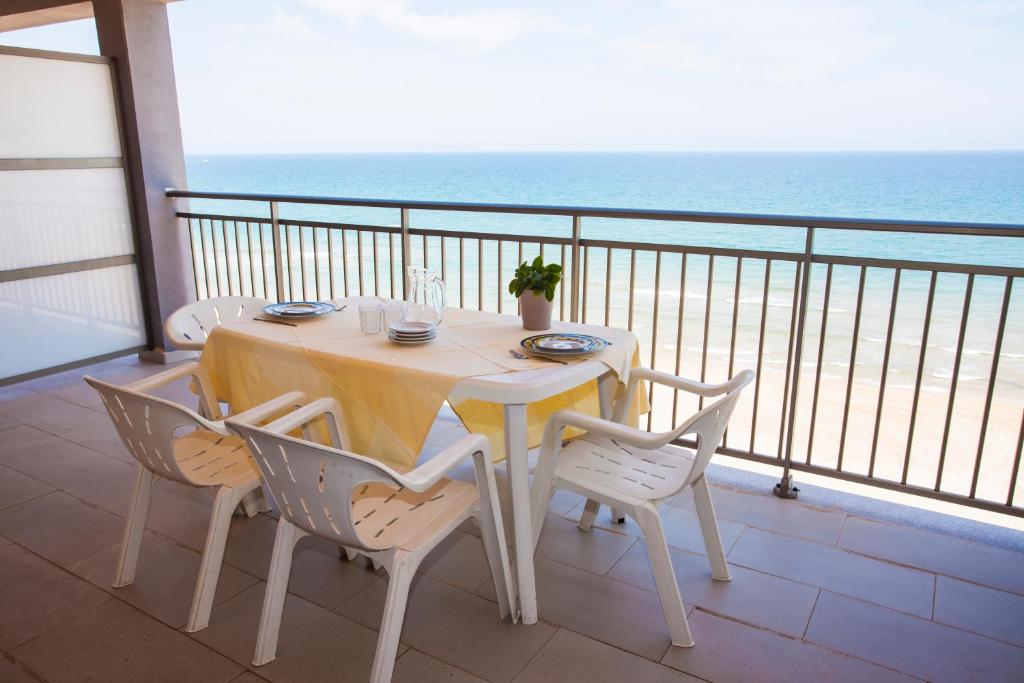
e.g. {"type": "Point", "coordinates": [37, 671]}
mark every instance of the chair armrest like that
{"type": "Point", "coordinates": [432, 471]}
{"type": "Point", "coordinates": [614, 430]}
{"type": "Point", "coordinates": [268, 409]}
{"type": "Point", "coordinates": [688, 385]}
{"type": "Point", "coordinates": [309, 412]}
{"type": "Point", "coordinates": [201, 381]}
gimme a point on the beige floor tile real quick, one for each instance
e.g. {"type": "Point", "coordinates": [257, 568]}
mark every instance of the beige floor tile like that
{"type": "Point", "coordinates": [753, 597]}
{"type": "Point", "coordinates": [101, 436]}
{"type": "Point", "coordinates": [982, 610]}
{"type": "Point", "coordinates": [17, 488]}
{"type": "Point", "coordinates": [901, 588]}
{"type": "Point", "coordinates": [27, 449]}
{"type": "Point", "coordinates": [455, 627]}
{"type": "Point", "coordinates": [93, 477]}
{"type": "Point", "coordinates": [727, 650]}
{"type": "Point", "coordinates": [60, 527]}
{"type": "Point", "coordinates": [595, 551]}
{"type": "Point", "coordinates": [571, 657]}
{"type": "Point", "coordinates": [183, 513]}
{"type": "Point", "coordinates": [766, 511]}
{"type": "Point", "coordinates": [115, 642]}
{"type": "Point", "coordinates": [318, 572]}
{"type": "Point", "coordinates": [35, 596]}
{"type": "Point", "coordinates": [416, 667]}
{"type": "Point", "coordinates": [314, 644]}
{"type": "Point", "coordinates": [7, 423]}
{"type": "Point", "coordinates": [13, 672]}
{"type": "Point", "coordinates": [459, 561]}
{"type": "Point", "coordinates": [14, 394]}
{"type": "Point", "coordinates": [607, 610]}
{"type": "Point", "coordinates": [164, 581]}
{"type": "Point", "coordinates": [4, 541]}
{"type": "Point", "coordinates": [565, 502]}
{"type": "Point", "coordinates": [975, 562]}
{"type": "Point", "coordinates": [682, 530]}
{"type": "Point", "coordinates": [54, 415]}
{"type": "Point", "coordinates": [79, 393]}
{"type": "Point", "coordinates": [920, 648]}
{"type": "Point", "coordinates": [248, 677]}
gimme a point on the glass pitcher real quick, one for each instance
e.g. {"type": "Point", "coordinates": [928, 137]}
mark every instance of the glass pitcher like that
{"type": "Point", "coordinates": [425, 296]}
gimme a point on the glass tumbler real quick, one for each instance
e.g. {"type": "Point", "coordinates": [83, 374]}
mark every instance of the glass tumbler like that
{"type": "Point", "coordinates": [370, 317]}
{"type": "Point", "coordinates": [394, 312]}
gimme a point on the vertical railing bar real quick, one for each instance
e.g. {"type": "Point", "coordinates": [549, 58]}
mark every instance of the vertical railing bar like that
{"type": "Point", "coordinates": [794, 315]}
{"type": "Point", "coordinates": [406, 252]}
{"type": "Point", "coordinates": [252, 258]}
{"type": "Point", "coordinates": [760, 350]}
{"type": "Point", "coordinates": [238, 260]}
{"type": "Point", "coordinates": [608, 286]}
{"type": "Point", "coordinates": [817, 370]}
{"type": "Point", "coordinates": [785, 488]}
{"type": "Point", "coordinates": [426, 253]}
{"type": "Point", "coordinates": [227, 255]}
{"type": "Point", "coordinates": [216, 262]}
{"type": "Point", "coordinates": [330, 262]}
{"type": "Point", "coordinates": [586, 279]}
{"type": "Point", "coordinates": [462, 274]}
{"type": "Point", "coordinates": [288, 259]}
{"type": "Point", "coordinates": [654, 336]}
{"type": "Point", "coordinates": [275, 227]}
{"type": "Point", "coordinates": [499, 277]}
{"type": "Point", "coordinates": [1016, 461]}
{"type": "Point", "coordinates": [632, 288]}
{"type": "Point", "coordinates": [956, 376]}
{"type": "Point", "coordinates": [679, 332]}
{"type": "Point", "coordinates": [853, 366]}
{"type": "Point", "coordinates": [577, 229]}
{"type": "Point", "coordinates": [707, 325]}
{"type": "Point", "coordinates": [302, 260]}
{"type": "Point", "coordinates": [212, 257]}
{"type": "Point", "coordinates": [732, 334]}
{"type": "Point", "coordinates": [376, 266]}
{"type": "Point", "coordinates": [561, 290]}
{"type": "Point", "coordinates": [359, 260]}
{"type": "Point", "coordinates": [263, 259]}
{"type": "Point", "coordinates": [885, 370]}
{"type": "Point", "coordinates": [480, 274]}
{"type": "Point", "coordinates": [344, 258]}
{"type": "Point", "coordinates": [316, 264]}
{"type": "Point", "coordinates": [192, 248]}
{"type": "Point", "coordinates": [444, 262]}
{"type": "Point", "coordinates": [920, 372]}
{"type": "Point", "coordinates": [996, 352]}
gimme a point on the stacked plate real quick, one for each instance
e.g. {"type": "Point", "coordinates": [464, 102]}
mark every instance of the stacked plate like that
{"type": "Point", "coordinates": [409, 332]}
{"type": "Point", "coordinates": [298, 309]}
{"type": "Point", "coordinates": [563, 345]}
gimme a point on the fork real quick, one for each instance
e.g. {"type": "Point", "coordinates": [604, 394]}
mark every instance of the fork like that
{"type": "Point", "coordinates": [520, 356]}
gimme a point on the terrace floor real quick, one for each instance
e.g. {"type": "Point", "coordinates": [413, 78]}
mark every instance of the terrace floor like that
{"type": "Point", "coordinates": [817, 593]}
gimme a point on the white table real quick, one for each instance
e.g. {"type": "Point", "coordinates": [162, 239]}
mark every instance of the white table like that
{"type": "Point", "coordinates": [514, 390]}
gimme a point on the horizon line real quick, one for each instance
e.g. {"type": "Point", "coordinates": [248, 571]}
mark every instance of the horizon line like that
{"type": "Point", "coordinates": [618, 151]}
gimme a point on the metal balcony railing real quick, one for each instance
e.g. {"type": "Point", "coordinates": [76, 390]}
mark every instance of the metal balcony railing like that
{"type": "Point", "coordinates": [903, 369]}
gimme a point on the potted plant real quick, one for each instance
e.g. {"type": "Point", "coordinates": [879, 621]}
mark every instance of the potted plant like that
{"type": "Point", "coordinates": [534, 285]}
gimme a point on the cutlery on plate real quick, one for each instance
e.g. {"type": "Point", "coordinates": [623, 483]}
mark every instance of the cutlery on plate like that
{"type": "Point", "coordinates": [276, 322]}
{"type": "Point", "coordinates": [521, 356]}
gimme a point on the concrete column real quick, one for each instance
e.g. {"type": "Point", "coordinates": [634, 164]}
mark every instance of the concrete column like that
{"type": "Point", "coordinates": [136, 34]}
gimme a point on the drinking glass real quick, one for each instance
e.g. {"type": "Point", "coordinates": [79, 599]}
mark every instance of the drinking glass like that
{"type": "Point", "coordinates": [394, 312]}
{"type": "Point", "coordinates": [370, 316]}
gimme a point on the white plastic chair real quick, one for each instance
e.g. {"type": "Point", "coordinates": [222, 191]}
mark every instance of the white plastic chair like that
{"type": "Point", "coordinates": [189, 327]}
{"type": "Point", "coordinates": [632, 471]}
{"type": "Point", "coordinates": [174, 442]}
{"type": "Point", "coordinates": [362, 504]}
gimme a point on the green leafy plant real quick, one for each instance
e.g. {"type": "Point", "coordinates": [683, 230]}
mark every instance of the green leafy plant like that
{"type": "Point", "coordinates": [536, 277]}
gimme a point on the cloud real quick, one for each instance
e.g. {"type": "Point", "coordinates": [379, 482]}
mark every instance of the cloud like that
{"type": "Point", "coordinates": [670, 53]}
{"type": "Point", "coordinates": [478, 30]}
{"type": "Point", "coordinates": [287, 25]}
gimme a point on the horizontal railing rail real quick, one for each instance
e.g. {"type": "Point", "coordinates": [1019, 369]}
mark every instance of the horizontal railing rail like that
{"type": "Point", "coordinates": [903, 373]}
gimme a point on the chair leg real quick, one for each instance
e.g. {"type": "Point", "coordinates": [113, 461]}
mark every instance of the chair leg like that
{"type": "Point", "coordinates": [664, 575]}
{"type": "Point", "coordinates": [224, 504]}
{"type": "Point", "coordinates": [709, 529]}
{"type": "Point", "coordinates": [403, 568]}
{"type": "Point", "coordinates": [618, 517]}
{"type": "Point", "coordinates": [251, 503]}
{"type": "Point", "coordinates": [590, 510]}
{"type": "Point", "coordinates": [277, 587]}
{"type": "Point", "coordinates": [134, 527]}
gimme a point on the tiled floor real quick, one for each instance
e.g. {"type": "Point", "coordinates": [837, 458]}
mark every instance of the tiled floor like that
{"type": "Point", "coordinates": [816, 594]}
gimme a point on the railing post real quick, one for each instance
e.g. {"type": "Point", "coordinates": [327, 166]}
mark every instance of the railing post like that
{"type": "Point", "coordinates": [406, 253]}
{"type": "Point", "coordinates": [574, 304]}
{"type": "Point", "coordinates": [275, 227]}
{"type": "Point", "coordinates": [785, 488]}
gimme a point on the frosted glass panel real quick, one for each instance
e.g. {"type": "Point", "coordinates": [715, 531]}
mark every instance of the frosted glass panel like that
{"type": "Point", "coordinates": [52, 320]}
{"type": "Point", "coordinates": [63, 215]}
{"type": "Point", "coordinates": [52, 108]}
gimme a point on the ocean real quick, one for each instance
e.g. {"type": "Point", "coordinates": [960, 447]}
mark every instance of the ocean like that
{"type": "Point", "coordinates": [970, 187]}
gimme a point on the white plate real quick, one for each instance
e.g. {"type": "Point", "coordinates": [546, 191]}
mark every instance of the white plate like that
{"type": "Point", "coordinates": [410, 342]}
{"type": "Point", "coordinates": [406, 327]}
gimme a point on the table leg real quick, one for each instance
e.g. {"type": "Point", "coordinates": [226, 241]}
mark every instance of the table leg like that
{"type": "Point", "coordinates": [522, 527]}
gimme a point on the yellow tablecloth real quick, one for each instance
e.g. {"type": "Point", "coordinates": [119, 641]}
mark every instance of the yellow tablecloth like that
{"type": "Point", "coordinates": [391, 394]}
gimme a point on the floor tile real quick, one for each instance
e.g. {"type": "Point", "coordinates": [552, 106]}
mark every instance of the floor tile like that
{"type": "Point", "coordinates": [564, 502]}
{"type": "Point", "coordinates": [982, 610]}
{"type": "Point", "coordinates": [16, 393]}
{"type": "Point", "coordinates": [26, 449]}
{"type": "Point", "coordinates": [766, 511]}
{"type": "Point", "coordinates": [60, 527]}
{"type": "Point", "coordinates": [248, 677]}
{"type": "Point", "coordinates": [751, 596]}
{"type": "Point", "coordinates": [13, 672]}
{"type": "Point", "coordinates": [101, 436]}
{"type": "Point", "coordinates": [459, 560]}
{"type": "Point", "coordinates": [115, 642]}
{"type": "Point", "coordinates": [569, 656]}
{"type": "Point", "coordinates": [314, 644]}
{"type": "Point", "coordinates": [318, 573]}
{"type": "Point", "coordinates": [728, 650]}
{"type": "Point", "coordinates": [682, 529]}
{"type": "Point", "coordinates": [54, 415]}
{"type": "Point", "coordinates": [94, 477]}
{"type": "Point", "coordinates": [456, 627]}
{"type": "Point", "coordinates": [164, 580]}
{"type": "Point", "coordinates": [975, 562]}
{"type": "Point", "coordinates": [183, 513]}
{"type": "Point", "coordinates": [7, 423]}
{"type": "Point", "coordinates": [17, 488]}
{"type": "Point", "coordinates": [920, 648]}
{"type": "Point", "coordinates": [416, 667]}
{"type": "Point", "coordinates": [35, 596]}
{"type": "Point", "coordinates": [607, 610]}
{"type": "Point", "coordinates": [907, 590]}
{"type": "Point", "coordinates": [595, 551]}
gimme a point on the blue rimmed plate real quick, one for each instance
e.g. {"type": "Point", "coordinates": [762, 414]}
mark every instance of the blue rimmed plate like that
{"type": "Point", "coordinates": [563, 344]}
{"type": "Point", "coordinates": [298, 309]}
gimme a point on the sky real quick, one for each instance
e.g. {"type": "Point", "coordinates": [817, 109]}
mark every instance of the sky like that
{"type": "Point", "coordinates": [258, 76]}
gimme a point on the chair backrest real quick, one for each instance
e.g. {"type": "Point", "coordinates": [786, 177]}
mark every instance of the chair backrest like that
{"type": "Point", "coordinates": [709, 424]}
{"type": "Point", "coordinates": [148, 427]}
{"type": "Point", "coordinates": [189, 327]}
{"type": "Point", "coordinates": [314, 485]}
